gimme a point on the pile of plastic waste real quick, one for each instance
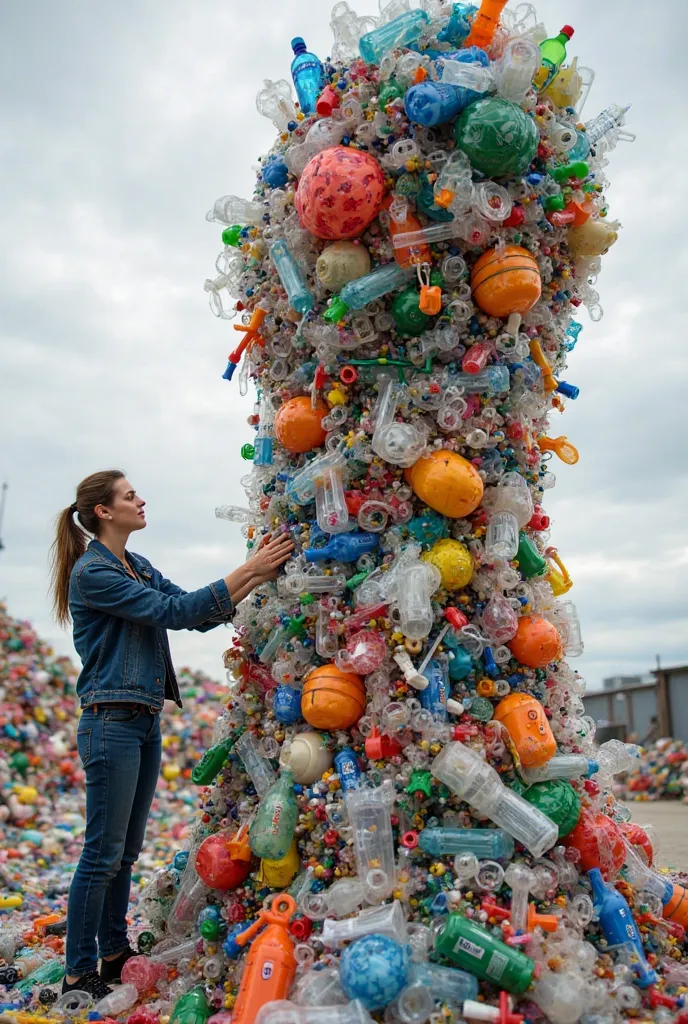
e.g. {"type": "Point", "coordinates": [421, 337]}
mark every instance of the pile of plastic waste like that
{"type": "Point", "coordinates": [661, 773]}
{"type": "Point", "coordinates": [42, 790]}
{"type": "Point", "coordinates": [404, 814]}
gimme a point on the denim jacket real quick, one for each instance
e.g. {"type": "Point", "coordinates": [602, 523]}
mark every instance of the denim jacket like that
{"type": "Point", "coordinates": [120, 626]}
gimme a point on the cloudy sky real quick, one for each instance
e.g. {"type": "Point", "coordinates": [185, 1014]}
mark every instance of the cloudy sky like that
{"type": "Point", "coordinates": [121, 125]}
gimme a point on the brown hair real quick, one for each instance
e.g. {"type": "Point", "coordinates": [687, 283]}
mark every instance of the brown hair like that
{"type": "Point", "coordinates": [71, 540]}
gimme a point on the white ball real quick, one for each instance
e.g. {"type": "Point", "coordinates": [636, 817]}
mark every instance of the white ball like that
{"type": "Point", "coordinates": [309, 757]}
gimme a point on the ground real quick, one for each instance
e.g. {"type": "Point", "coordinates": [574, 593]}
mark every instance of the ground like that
{"type": "Point", "coordinates": [670, 818]}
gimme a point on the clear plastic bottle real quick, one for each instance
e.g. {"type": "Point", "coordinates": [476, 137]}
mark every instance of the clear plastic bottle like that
{"type": "Point", "coordinates": [476, 782]}
{"type": "Point", "coordinates": [386, 920]}
{"type": "Point", "coordinates": [511, 507]}
{"type": "Point", "coordinates": [561, 766]}
{"type": "Point", "coordinates": [491, 843]}
{"type": "Point", "coordinates": [370, 819]}
{"type": "Point", "coordinates": [405, 29]}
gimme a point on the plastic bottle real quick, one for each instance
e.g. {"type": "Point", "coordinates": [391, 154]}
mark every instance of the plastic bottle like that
{"type": "Point", "coordinates": [370, 819]}
{"type": "Point", "coordinates": [474, 949]}
{"type": "Point", "coordinates": [484, 843]}
{"type": "Point", "coordinates": [485, 23]}
{"type": "Point", "coordinates": [298, 294]}
{"type": "Point", "coordinates": [270, 965]}
{"type": "Point", "coordinates": [386, 920]}
{"type": "Point", "coordinates": [231, 210]}
{"type": "Point", "coordinates": [493, 380]}
{"type": "Point", "coordinates": [553, 55]}
{"type": "Point", "coordinates": [611, 119]}
{"type": "Point", "coordinates": [272, 830]}
{"type": "Point", "coordinates": [208, 768]}
{"type": "Point", "coordinates": [45, 972]}
{"type": "Point", "coordinates": [416, 582]}
{"type": "Point", "coordinates": [263, 443]}
{"type": "Point", "coordinates": [284, 1012]}
{"type": "Point", "coordinates": [307, 74]}
{"type": "Point", "coordinates": [331, 511]}
{"type": "Point", "coordinates": [345, 547]}
{"type": "Point", "coordinates": [619, 927]}
{"type": "Point", "coordinates": [124, 996]}
{"type": "Point", "coordinates": [258, 767]}
{"type": "Point", "coordinates": [431, 103]}
{"type": "Point", "coordinates": [400, 444]}
{"type": "Point", "coordinates": [476, 782]}
{"type": "Point", "coordinates": [614, 757]}
{"type": "Point", "coordinates": [405, 29]}
{"type": "Point", "coordinates": [516, 68]}
{"type": "Point", "coordinates": [561, 766]}
{"type": "Point", "coordinates": [511, 507]}
{"type": "Point", "coordinates": [446, 983]}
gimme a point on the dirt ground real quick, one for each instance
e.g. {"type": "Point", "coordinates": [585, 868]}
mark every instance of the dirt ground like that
{"type": "Point", "coordinates": [670, 818]}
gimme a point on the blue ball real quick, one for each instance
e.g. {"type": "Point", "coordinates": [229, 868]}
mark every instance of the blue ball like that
{"type": "Point", "coordinates": [287, 704]}
{"type": "Point", "coordinates": [374, 969]}
{"type": "Point", "coordinates": [180, 860]}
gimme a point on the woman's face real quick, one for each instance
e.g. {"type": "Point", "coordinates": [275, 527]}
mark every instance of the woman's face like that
{"type": "Point", "coordinates": [125, 511]}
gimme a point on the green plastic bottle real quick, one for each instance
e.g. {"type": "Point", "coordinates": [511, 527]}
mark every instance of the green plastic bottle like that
{"type": "Point", "coordinates": [273, 827]}
{"type": "Point", "coordinates": [208, 768]}
{"type": "Point", "coordinates": [553, 53]}
{"type": "Point", "coordinates": [530, 561]}
{"type": "Point", "coordinates": [48, 973]}
{"type": "Point", "coordinates": [192, 1008]}
{"type": "Point", "coordinates": [472, 948]}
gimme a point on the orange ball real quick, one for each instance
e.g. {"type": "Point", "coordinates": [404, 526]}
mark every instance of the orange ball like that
{"type": "Point", "coordinates": [537, 642]}
{"type": "Point", "coordinates": [339, 193]}
{"type": "Point", "coordinates": [332, 699]}
{"type": "Point", "coordinates": [506, 284]}
{"type": "Point", "coordinates": [298, 426]}
{"type": "Point", "coordinates": [446, 482]}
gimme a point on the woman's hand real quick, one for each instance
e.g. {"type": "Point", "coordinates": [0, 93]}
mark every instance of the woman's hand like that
{"type": "Point", "coordinates": [271, 554]}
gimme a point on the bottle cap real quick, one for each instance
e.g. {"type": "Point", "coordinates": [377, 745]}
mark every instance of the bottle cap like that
{"type": "Point", "coordinates": [566, 31]}
{"type": "Point", "coordinates": [299, 46]}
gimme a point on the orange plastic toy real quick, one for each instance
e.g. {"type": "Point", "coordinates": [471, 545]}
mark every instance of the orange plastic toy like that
{"type": "Point", "coordinates": [485, 22]}
{"type": "Point", "coordinates": [446, 482]}
{"type": "Point", "coordinates": [524, 719]}
{"type": "Point", "coordinates": [298, 426]}
{"type": "Point", "coordinates": [677, 908]}
{"type": "Point", "coordinates": [270, 964]}
{"type": "Point", "coordinates": [508, 283]}
{"type": "Point", "coordinates": [410, 255]}
{"type": "Point", "coordinates": [332, 699]}
{"type": "Point", "coordinates": [537, 642]}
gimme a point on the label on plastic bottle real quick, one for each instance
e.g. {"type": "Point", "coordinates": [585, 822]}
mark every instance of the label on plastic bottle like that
{"type": "Point", "coordinates": [471, 948]}
{"type": "Point", "coordinates": [496, 966]}
{"type": "Point", "coordinates": [266, 972]}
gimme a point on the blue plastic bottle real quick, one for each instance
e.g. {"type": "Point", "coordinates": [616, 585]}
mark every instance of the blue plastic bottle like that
{"type": "Point", "coordinates": [430, 103]}
{"type": "Point", "coordinates": [307, 73]}
{"type": "Point", "coordinates": [619, 927]}
{"type": "Point", "coordinates": [345, 547]}
{"type": "Point", "coordinates": [346, 764]}
{"type": "Point", "coordinates": [490, 843]}
{"type": "Point", "coordinates": [287, 704]}
{"type": "Point", "coordinates": [434, 697]}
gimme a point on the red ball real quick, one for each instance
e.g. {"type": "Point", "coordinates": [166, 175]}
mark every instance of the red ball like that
{"type": "Point", "coordinates": [599, 842]}
{"type": "Point", "coordinates": [216, 867]}
{"type": "Point", "coordinates": [339, 193]}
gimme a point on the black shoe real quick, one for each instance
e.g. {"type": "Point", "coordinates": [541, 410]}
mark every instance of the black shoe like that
{"type": "Point", "coordinates": [91, 983]}
{"type": "Point", "coordinates": [111, 970]}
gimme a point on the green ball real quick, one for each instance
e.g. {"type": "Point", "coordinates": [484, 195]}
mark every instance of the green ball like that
{"type": "Point", "coordinates": [408, 316]}
{"type": "Point", "coordinates": [558, 800]}
{"type": "Point", "coordinates": [20, 762]}
{"type": "Point", "coordinates": [497, 137]}
{"type": "Point", "coordinates": [481, 709]}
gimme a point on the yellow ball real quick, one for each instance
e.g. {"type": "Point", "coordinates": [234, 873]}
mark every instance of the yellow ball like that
{"type": "Point", "coordinates": [454, 562]}
{"type": "Point", "coordinates": [170, 772]}
{"type": "Point", "coordinates": [27, 795]}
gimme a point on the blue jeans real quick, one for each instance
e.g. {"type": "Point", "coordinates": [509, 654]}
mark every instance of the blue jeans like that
{"type": "Point", "coordinates": [120, 751]}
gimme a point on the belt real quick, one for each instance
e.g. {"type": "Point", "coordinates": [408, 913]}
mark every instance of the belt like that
{"type": "Point", "coordinates": [123, 704]}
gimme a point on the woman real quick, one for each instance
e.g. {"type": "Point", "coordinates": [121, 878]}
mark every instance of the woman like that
{"type": "Point", "coordinates": [121, 608]}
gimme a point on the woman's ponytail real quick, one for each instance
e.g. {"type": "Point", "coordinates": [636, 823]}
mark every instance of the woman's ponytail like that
{"type": "Point", "coordinates": [71, 540]}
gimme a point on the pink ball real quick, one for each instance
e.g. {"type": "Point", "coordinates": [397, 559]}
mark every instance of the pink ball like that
{"type": "Point", "coordinates": [340, 192]}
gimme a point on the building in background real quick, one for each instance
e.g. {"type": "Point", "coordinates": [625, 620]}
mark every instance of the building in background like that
{"type": "Point", "coordinates": [637, 707]}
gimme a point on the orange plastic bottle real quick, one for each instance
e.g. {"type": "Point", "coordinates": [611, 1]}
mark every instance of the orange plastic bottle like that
{"type": "Point", "coordinates": [410, 255]}
{"type": "Point", "coordinates": [485, 22]}
{"type": "Point", "coordinates": [270, 964]}
{"type": "Point", "coordinates": [525, 720]}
